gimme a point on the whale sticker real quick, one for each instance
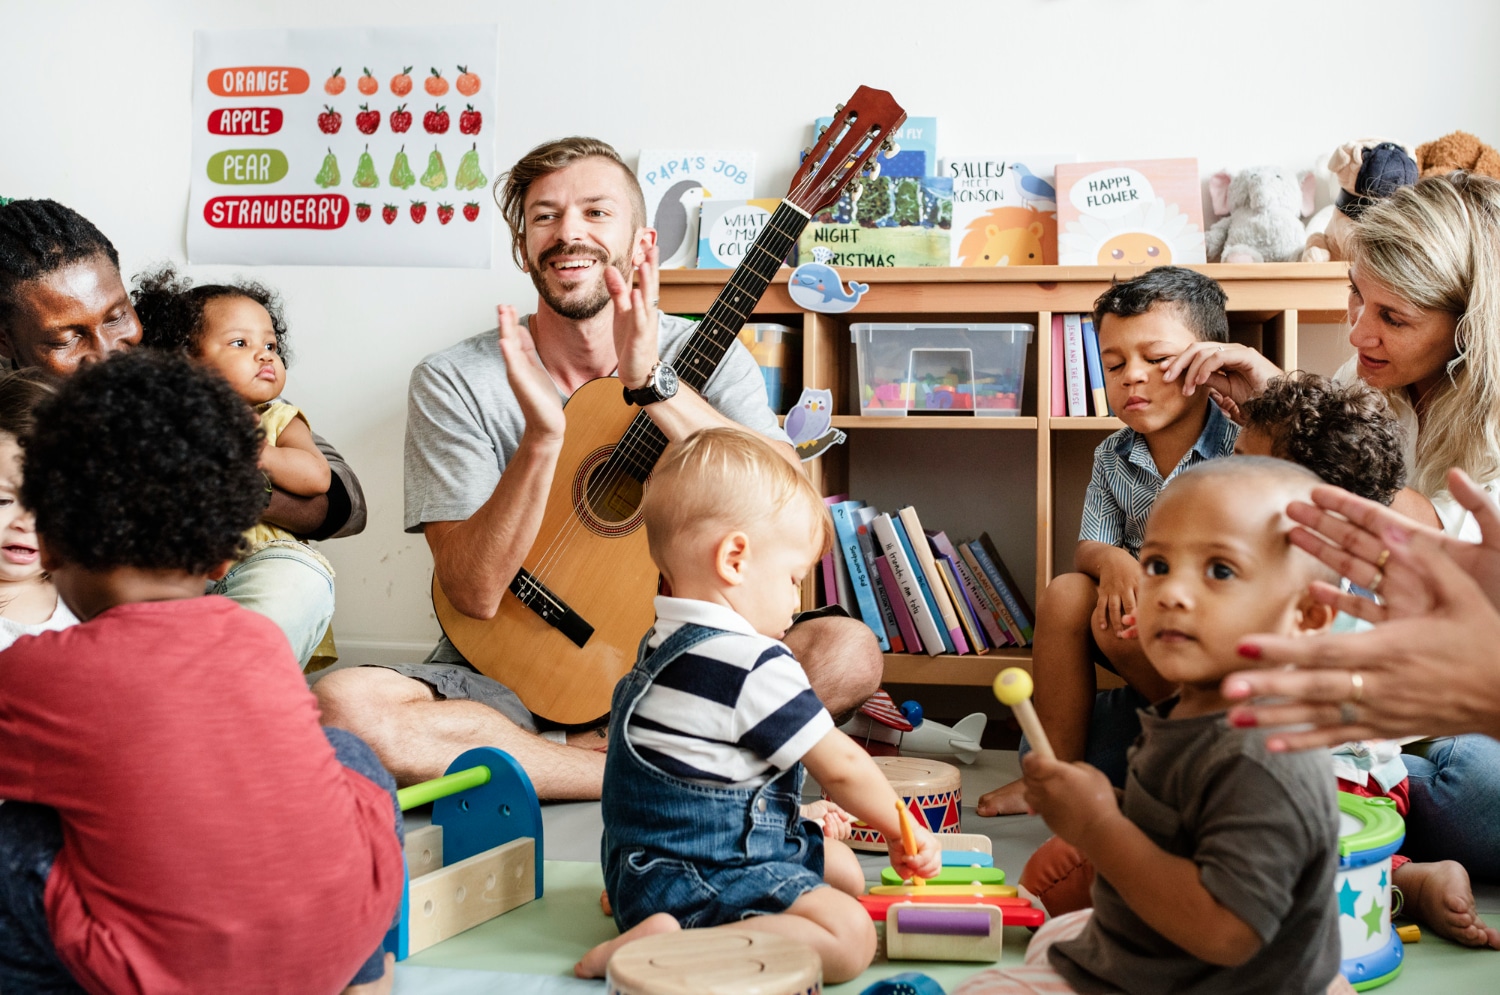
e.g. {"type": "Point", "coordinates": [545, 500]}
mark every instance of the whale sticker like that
{"type": "Point", "coordinates": [816, 286]}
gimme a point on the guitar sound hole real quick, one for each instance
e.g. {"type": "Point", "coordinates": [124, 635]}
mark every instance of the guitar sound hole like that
{"type": "Point", "coordinates": [613, 496]}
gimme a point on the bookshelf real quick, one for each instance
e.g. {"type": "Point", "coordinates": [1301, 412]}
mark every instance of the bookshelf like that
{"type": "Point", "coordinates": [1027, 473]}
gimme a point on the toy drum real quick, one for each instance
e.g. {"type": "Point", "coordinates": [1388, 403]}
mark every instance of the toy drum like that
{"type": "Point", "coordinates": [930, 790]}
{"type": "Point", "coordinates": [1370, 830]}
{"type": "Point", "coordinates": [714, 962]}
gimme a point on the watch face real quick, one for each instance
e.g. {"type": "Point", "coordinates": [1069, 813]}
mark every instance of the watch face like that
{"type": "Point", "coordinates": [666, 380]}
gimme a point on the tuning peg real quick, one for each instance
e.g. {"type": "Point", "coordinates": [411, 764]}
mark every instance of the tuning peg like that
{"type": "Point", "coordinates": [806, 151]}
{"type": "Point", "coordinates": [855, 192]}
{"type": "Point", "coordinates": [891, 148]}
{"type": "Point", "coordinates": [838, 108]}
{"type": "Point", "coordinates": [873, 172]}
{"type": "Point", "coordinates": [822, 128]}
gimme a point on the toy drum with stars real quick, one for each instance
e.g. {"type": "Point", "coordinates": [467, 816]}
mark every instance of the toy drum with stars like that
{"type": "Point", "coordinates": [930, 791]}
{"type": "Point", "coordinates": [698, 962]}
{"type": "Point", "coordinates": [1370, 830]}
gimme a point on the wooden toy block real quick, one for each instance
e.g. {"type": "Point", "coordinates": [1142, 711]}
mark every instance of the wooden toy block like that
{"type": "Point", "coordinates": [697, 962]}
{"type": "Point", "coordinates": [452, 899]}
{"type": "Point", "coordinates": [424, 850]}
{"type": "Point", "coordinates": [931, 931]}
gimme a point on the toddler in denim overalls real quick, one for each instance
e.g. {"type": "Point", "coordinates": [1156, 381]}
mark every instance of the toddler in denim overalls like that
{"type": "Point", "coordinates": [709, 732]}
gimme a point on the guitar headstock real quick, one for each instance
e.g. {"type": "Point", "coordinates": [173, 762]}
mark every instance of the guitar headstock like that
{"type": "Point", "coordinates": [860, 129]}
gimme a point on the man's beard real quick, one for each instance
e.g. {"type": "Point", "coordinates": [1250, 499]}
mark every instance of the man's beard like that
{"type": "Point", "coordinates": [583, 303]}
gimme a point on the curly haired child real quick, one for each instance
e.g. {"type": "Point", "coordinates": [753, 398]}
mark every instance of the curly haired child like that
{"type": "Point", "coordinates": [238, 330]}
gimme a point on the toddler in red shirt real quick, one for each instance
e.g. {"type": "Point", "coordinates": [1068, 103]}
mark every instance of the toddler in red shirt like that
{"type": "Point", "coordinates": [162, 762]}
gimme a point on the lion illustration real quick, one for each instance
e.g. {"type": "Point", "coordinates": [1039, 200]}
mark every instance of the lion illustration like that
{"type": "Point", "coordinates": [1010, 236]}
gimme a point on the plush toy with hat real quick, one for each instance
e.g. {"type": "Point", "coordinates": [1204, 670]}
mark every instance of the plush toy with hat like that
{"type": "Point", "coordinates": [1261, 212]}
{"type": "Point", "coordinates": [1367, 170]}
{"type": "Point", "coordinates": [1459, 150]}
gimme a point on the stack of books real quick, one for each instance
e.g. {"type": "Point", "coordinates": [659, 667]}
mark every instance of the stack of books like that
{"type": "Point", "coordinates": [1077, 375]}
{"type": "Point", "coordinates": [918, 591]}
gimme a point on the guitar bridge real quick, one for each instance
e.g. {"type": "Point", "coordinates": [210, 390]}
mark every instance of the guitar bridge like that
{"type": "Point", "coordinates": [553, 610]}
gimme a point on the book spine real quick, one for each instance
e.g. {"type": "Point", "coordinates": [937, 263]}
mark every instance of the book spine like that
{"type": "Point", "coordinates": [966, 621]}
{"type": "Point", "coordinates": [859, 576]}
{"type": "Point", "coordinates": [904, 622]}
{"type": "Point", "coordinates": [830, 582]}
{"type": "Point", "coordinates": [841, 580]}
{"type": "Point", "coordinates": [1027, 616]}
{"type": "Point", "coordinates": [1077, 383]}
{"type": "Point", "coordinates": [1059, 375]}
{"type": "Point", "coordinates": [1006, 594]}
{"type": "Point", "coordinates": [908, 583]}
{"type": "Point", "coordinates": [873, 562]}
{"type": "Point", "coordinates": [1002, 613]}
{"type": "Point", "coordinates": [984, 610]}
{"type": "Point", "coordinates": [923, 584]}
{"type": "Point", "coordinates": [1096, 368]}
{"type": "Point", "coordinates": [946, 610]}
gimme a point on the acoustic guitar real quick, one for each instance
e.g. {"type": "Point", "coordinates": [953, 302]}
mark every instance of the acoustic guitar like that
{"type": "Point", "coordinates": [575, 613]}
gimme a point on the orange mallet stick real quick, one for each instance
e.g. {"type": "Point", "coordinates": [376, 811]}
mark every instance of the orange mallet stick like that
{"type": "Point", "coordinates": [1013, 688]}
{"type": "Point", "coordinates": [908, 837]}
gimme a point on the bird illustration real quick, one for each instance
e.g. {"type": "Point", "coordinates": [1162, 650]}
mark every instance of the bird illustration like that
{"type": "Point", "coordinates": [811, 417]}
{"type": "Point", "coordinates": [675, 214]}
{"type": "Point", "coordinates": [1033, 187]}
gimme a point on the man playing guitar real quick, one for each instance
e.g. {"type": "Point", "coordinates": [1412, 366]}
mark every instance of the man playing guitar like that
{"type": "Point", "coordinates": [484, 431]}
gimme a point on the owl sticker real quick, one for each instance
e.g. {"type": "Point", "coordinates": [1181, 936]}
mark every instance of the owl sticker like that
{"type": "Point", "coordinates": [810, 424]}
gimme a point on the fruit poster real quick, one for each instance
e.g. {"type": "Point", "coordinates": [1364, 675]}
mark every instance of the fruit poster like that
{"type": "Point", "coordinates": [344, 147]}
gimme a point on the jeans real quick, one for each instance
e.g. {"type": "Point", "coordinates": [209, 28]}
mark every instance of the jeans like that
{"type": "Point", "coordinates": [1113, 729]}
{"type": "Point", "coordinates": [1455, 803]}
{"type": "Point", "coordinates": [291, 585]}
{"type": "Point", "coordinates": [30, 838]}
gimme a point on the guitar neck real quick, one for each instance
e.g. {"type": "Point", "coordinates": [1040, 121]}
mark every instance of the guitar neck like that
{"type": "Point", "coordinates": [700, 357]}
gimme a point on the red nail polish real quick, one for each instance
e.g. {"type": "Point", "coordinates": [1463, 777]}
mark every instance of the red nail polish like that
{"type": "Point", "coordinates": [1249, 651]}
{"type": "Point", "coordinates": [1241, 720]}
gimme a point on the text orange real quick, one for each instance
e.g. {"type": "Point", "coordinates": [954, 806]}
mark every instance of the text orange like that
{"type": "Point", "coordinates": [258, 81]}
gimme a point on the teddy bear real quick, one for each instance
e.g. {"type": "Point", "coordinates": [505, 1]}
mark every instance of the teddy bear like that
{"type": "Point", "coordinates": [1459, 150]}
{"type": "Point", "coordinates": [1261, 212]}
{"type": "Point", "coordinates": [1367, 170]}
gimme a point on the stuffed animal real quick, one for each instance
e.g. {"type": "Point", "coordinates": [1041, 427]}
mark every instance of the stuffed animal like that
{"type": "Point", "coordinates": [1367, 170]}
{"type": "Point", "coordinates": [1264, 207]}
{"type": "Point", "coordinates": [1459, 150]}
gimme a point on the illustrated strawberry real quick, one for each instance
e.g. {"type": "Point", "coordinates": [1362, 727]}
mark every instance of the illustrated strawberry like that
{"type": "Point", "coordinates": [368, 84]}
{"type": "Point", "coordinates": [401, 83]}
{"type": "Point", "coordinates": [435, 84]}
{"type": "Point", "coordinates": [362, 211]}
{"type": "Point", "coordinates": [471, 211]}
{"type": "Point", "coordinates": [334, 85]}
{"type": "Point", "coordinates": [330, 121]}
{"type": "Point", "coordinates": [469, 121]}
{"type": "Point", "coordinates": [467, 83]}
{"type": "Point", "coordinates": [418, 210]}
{"type": "Point", "coordinates": [367, 120]}
{"type": "Point", "coordinates": [436, 121]}
{"type": "Point", "coordinates": [388, 213]}
{"type": "Point", "coordinates": [400, 120]}
{"type": "Point", "coordinates": [445, 213]}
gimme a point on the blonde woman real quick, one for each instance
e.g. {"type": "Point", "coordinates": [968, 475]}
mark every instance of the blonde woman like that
{"type": "Point", "coordinates": [1424, 320]}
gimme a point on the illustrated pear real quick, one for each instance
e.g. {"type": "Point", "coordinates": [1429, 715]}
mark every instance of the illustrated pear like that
{"type": "Point", "coordinates": [328, 176]}
{"type": "Point", "coordinates": [470, 176]}
{"type": "Point", "coordinates": [364, 176]}
{"type": "Point", "coordinates": [401, 174]}
{"type": "Point", "coordinates": [436, 176]}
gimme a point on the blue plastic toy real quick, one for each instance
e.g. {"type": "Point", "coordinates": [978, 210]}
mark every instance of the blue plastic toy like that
{"type": "Point", "coordinates": [906, 983]}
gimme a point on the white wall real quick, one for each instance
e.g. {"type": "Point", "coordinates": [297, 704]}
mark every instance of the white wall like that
{"type": "Point", "coordinates": [94, 111]}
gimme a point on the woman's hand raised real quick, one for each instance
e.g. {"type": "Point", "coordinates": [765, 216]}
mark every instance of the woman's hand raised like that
{"type": "Point", "coordinates": [1236, 372]}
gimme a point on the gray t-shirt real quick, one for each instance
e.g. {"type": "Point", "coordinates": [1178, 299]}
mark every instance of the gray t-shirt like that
{"type": "Point", "coordinates": [1262, 828]}
{"type": "Point", "coordinates": [463, 424]}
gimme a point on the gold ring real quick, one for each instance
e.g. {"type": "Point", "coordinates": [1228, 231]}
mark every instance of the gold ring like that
{"type": "Point", "coordinates": [1357, 685]}
{"type": "Point", "coordinates": [1347, 715]}
{"type": "Point", "coordinates": [1374, 586]}
{"type": "Point", "coordinates": [1380, 561]}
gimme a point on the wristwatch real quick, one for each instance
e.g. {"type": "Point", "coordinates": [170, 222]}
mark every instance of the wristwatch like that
{"type": "Point", "coordinates": [659, 386]}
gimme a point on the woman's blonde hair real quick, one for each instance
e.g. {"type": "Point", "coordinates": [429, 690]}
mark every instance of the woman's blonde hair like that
{"type": "Point", "coordinates": [731, 479]}
{"type": "Point", "coordinates": [1437, 245]}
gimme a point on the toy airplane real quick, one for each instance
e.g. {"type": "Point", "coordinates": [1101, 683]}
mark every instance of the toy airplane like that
{"type": "Point", "coordinates": [884, 730]}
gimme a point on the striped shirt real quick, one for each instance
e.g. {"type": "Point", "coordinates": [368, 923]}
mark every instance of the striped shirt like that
{"type": "Point", "coordinates": [1126, 482]}
{"type": "Point", "coordinates": [735, 709]}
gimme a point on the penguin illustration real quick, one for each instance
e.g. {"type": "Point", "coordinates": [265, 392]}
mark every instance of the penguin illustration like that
{"type": "Point", "coordinates": [677, 209]}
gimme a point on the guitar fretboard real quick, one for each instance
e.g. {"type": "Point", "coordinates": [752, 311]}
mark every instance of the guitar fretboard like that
{"type": "Point", "coordinates": [696, 362]}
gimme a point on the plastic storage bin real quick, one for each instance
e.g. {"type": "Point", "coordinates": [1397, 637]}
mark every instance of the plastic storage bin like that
{"type": "Point", "coordinates": [951, 368]}
{"type": "Point", "coordinates": [769, 344]}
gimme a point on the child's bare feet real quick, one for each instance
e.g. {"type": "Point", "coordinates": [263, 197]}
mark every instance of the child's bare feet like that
{"type": "Point", "coordinates": [596, 960]}
{"type": "Point", "coordinates": [837, 824]}
{"type": "Point", "coordinates": [381, 986]}
{"type": "Point", "coordinates": [1008, 799]}
{"type": "Point", "coordinates": [1438, 896]}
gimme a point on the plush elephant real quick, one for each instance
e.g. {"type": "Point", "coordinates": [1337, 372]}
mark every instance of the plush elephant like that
{"type": "Point", "coordinates": [1264, 207]}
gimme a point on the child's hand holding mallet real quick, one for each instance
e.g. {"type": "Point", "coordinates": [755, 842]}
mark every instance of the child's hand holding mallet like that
{"type": "Point", "coordinates": [1013, 688]}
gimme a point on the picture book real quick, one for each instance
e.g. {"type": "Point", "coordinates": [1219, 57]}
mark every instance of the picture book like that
{"type": "Point", "coordinates": [947, 611]}
{"type": "Point", "coordinates": [968, 625]}
{"type": "Point", "coordinates": [904, 623]}
{"type": "Point", "coordinates": [942, 548]}
{"type": "Point", "coordinates": [907, 579]}
{"type": "Point", "coordinates": [859, 577]}
{"type": "Point", "coordinates": [992, 593]}
{"type": "Point", "coordinates": [873, 562]}
{"type": "Point", "coordinates": [924, 587]}
{"type": "Point", "coordinates": [832, 590]}
{"type": "Point", "coordinates": [1073, 358]}
{"type": "Point", "coordinates": [1059, 369]}
{"type": "Point", "coordinates": [1012, 593]}
{"type": "Point", "coordinates": [675, 183]}
{"type": "Point", "coordinates": [727, 229]}
{"type": "Point", "coordinates": [1004, 211]}
{"type": "Point", "coordinates": [895, 221]}
{"type": "Point", "coordinates": [916, 152]}
{"type": "Point", "coordinates": [1140, 213]}
{"type": "Point", "coordinates": [1096, 368]}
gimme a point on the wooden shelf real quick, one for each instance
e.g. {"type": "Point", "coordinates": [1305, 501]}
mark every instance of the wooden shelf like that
{"type": "Point", "coordinates": [967, 670]}
{"type": "Point", "coordinates": [931, 421]}
{"type": "Point", "coordinates": [1089, 424]}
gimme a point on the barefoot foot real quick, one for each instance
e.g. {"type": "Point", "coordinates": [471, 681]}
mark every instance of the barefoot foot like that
{"type": "Point", "coordinates": [1438, 896]}
{"type": "Point", "coordinates": [596, 960]}
{"type": "Point", "coordinates": [1008, 799]}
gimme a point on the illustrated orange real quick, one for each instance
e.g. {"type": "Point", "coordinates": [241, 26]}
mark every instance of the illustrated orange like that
{"type": "Point", "coordinates": [334, 85]}
{"type": "Point", "coordinates": [368, 84]}
{"type": "Point", "coordinates": [467, 82]}
{"type": "Point", "coordinates": [436, 85]}
{"type": "Point", "coordinates": [401, 83]}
